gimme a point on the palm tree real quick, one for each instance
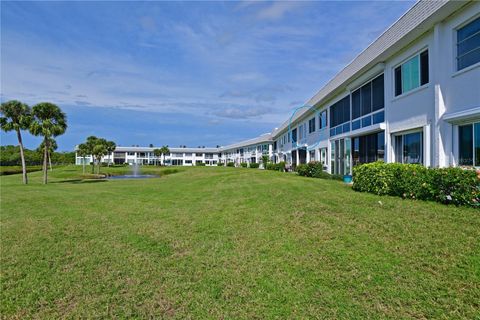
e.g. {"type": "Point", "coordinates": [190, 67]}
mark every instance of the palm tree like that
{"type": "Point", "coordinates": [52, 146]}
{"type": "Point", "coordinates": [100, 150]}
{"type": "Point", "coordinates": [111, 146]}
{"type": "Point", "coordinates": [90, 144]}
{"type": "Point", "coordinates": [157, 153]}
{"type": "Point", "coordinates": [48, 121]}
{"type": "Point", "coordinates": [16, 116]}
{"type": "Point", "coordinates": [164, 150]}
{"type": "Point", "coordinates": [82, 151]}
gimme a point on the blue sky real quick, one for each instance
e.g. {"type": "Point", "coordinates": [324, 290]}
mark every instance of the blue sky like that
{"type": "Point", "coordinates": [193, 73]}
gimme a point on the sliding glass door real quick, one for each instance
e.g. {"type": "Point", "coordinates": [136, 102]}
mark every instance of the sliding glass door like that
{"type": "Point", "coordinates": [341, 156]}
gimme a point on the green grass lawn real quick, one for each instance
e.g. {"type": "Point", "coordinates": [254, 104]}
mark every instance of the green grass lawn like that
{"type": "Point", "coordinates": [233, 243]}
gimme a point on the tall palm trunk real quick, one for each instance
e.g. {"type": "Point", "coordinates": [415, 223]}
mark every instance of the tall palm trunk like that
{"type": "Point", "coordinates": [50, 160]}
{"type": "Point", "coordinates": [45, 156]}
{"type": "Point", "coordinates": [93, 164]}
{"type": "Point", "coordinates": [22, 156]}
{"type": "Point", "coordinates": [83, 165]}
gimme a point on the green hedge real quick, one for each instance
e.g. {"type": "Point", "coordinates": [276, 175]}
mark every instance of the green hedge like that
{"type": "Point", "coordinates": [446, 185]}
{"type": "Point", "coordinates": [244, 164]}
{"type": "Point", "coordinates": [276, 166]}
{"type": "Point", "coordinates": [220, 164]}
{"type": "Point", "coordinates": [200, 164]}
{"type": "Point", "coordinates": [314, 169]}
{"type": "Point", "coordinates": [230, 164]}
{"type": "Point", "coordinates": [254, 165]}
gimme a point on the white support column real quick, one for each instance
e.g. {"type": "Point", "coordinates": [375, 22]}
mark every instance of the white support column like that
{"type": "Point", "coordinates": [308, 156]}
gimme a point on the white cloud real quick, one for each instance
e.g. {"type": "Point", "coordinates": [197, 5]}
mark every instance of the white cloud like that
{"type": "Point", "coordinates": [277, 10]}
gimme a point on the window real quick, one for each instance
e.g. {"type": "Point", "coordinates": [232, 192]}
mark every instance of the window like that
{"type": "Point", "coordinates": [340, 117]}
{"type": "Point", "coordinates": [294, 135]}
{"type": "Point", "coordinates": [198, 154]}
{"type": "Point", "coordinates": [469, 144]}
{"type": "Point", "coordinates": [188, 161]}
{"type": "Point", "coordinates": [131, 153]}
{"type": "Point", "coordinates": [409, 148]}
{"type": "Point", "coordinates": [468, 44]}
{"type": "Point", "coordinates": [322, 120]}
{"type": "Point", "coordinates": [368, 148]}
{"type": "Point", "coordinates": [412, 74]}
{"type": "Point", "coordinates": [369, 98]}
{"type": "Point", "coordinates": [311, 125]}
{"type": "Point", "coordinates": [340, 112]}
{"type": "Point", "coordinates": [312, 155]}
{"type": "Point", "coordinates": [302, 131]}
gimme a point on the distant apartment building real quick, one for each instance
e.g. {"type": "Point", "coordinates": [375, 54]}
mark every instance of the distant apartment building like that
{"type": "Point", "coordinates": [412, 96]}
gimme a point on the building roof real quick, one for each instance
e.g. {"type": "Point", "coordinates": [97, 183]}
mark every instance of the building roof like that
{"type": "Point", "coordinates": [266, 137]}
{"type": "Point", "coordinates": [172, 149]}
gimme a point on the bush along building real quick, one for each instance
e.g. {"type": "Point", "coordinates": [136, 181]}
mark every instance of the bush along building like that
{"type": "Point", "coordinates": [412, 96]}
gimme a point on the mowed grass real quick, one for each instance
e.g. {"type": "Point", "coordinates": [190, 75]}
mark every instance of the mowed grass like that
{"type": "Point", "coordinates": [231, 243]}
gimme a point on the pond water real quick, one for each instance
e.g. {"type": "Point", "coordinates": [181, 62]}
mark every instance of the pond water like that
{"type": "Point", "coordinates": [132, 176]}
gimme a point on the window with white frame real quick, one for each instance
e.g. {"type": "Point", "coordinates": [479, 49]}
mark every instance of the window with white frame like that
{"type": "Point", "coordinates": [409, 147]}
{"type": "Point", "coordinates": [469, 144]}
{"type": "Point", "coordinates": [468, 44]}
{"type": "Point", "coordinates": [412, 74]}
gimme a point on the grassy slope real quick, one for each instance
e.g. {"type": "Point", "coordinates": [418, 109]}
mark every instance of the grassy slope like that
{"type": "Point", "coordinates": [231, 243]}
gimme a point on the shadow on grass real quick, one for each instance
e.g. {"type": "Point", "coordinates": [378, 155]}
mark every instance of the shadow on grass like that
{"type": "Point", "coordinates": [76, 181]}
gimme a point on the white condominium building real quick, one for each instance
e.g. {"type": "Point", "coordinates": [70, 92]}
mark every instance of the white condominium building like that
{"type": "Point", "coordinates": [412, 96]}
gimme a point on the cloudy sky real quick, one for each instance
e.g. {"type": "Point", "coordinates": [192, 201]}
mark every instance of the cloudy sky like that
{"type": "Point", "coordinates": [193, 73]}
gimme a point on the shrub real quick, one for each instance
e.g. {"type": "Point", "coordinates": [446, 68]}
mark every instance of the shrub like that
{"type": "Point", "coordinates": [200, 164]}
{"type": "Point", "coordinates": [276, 166]}
{"type": "Point", "coordinates": [230, 164]}
{"type": "Point", "coordinates": [314, 169]}
{"type": "Point", "coordinates": [446, 185]}
{"type": "Point", "coordinates": [254, 165]}
{"type": "Point", "coordinates": [220, 164]}
{"type": "Point", "coordinates": [244, 164]}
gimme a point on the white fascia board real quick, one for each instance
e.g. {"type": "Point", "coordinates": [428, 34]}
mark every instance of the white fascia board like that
{"type": "Point", "coordinates": [459, 117]}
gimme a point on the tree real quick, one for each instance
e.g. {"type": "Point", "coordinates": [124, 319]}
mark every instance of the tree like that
{"type": "Point", "coordinates": [164, 151]}
{"type": "Point", "coordinates": [48, 121]}
{"type": "Point", "coordinates": [82, 151]}
{"type": "Point", "coordinates": [157, 153]}
{"type": "Point", "coordinates": [52, 146]}
{"type": "Point", "coordinates": [111, 146]}
{"type": "Point", "coordinates": [16, 116]}
{"type": "Point", "coordinates": [90, 144]}
{"type": "Point", "coordinates": [265, 160]}
{"type": "Point", "coordinates": [99, 150]}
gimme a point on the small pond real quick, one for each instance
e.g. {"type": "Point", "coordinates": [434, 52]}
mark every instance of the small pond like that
{"type": "Point", "coordinates": [133, 176]}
